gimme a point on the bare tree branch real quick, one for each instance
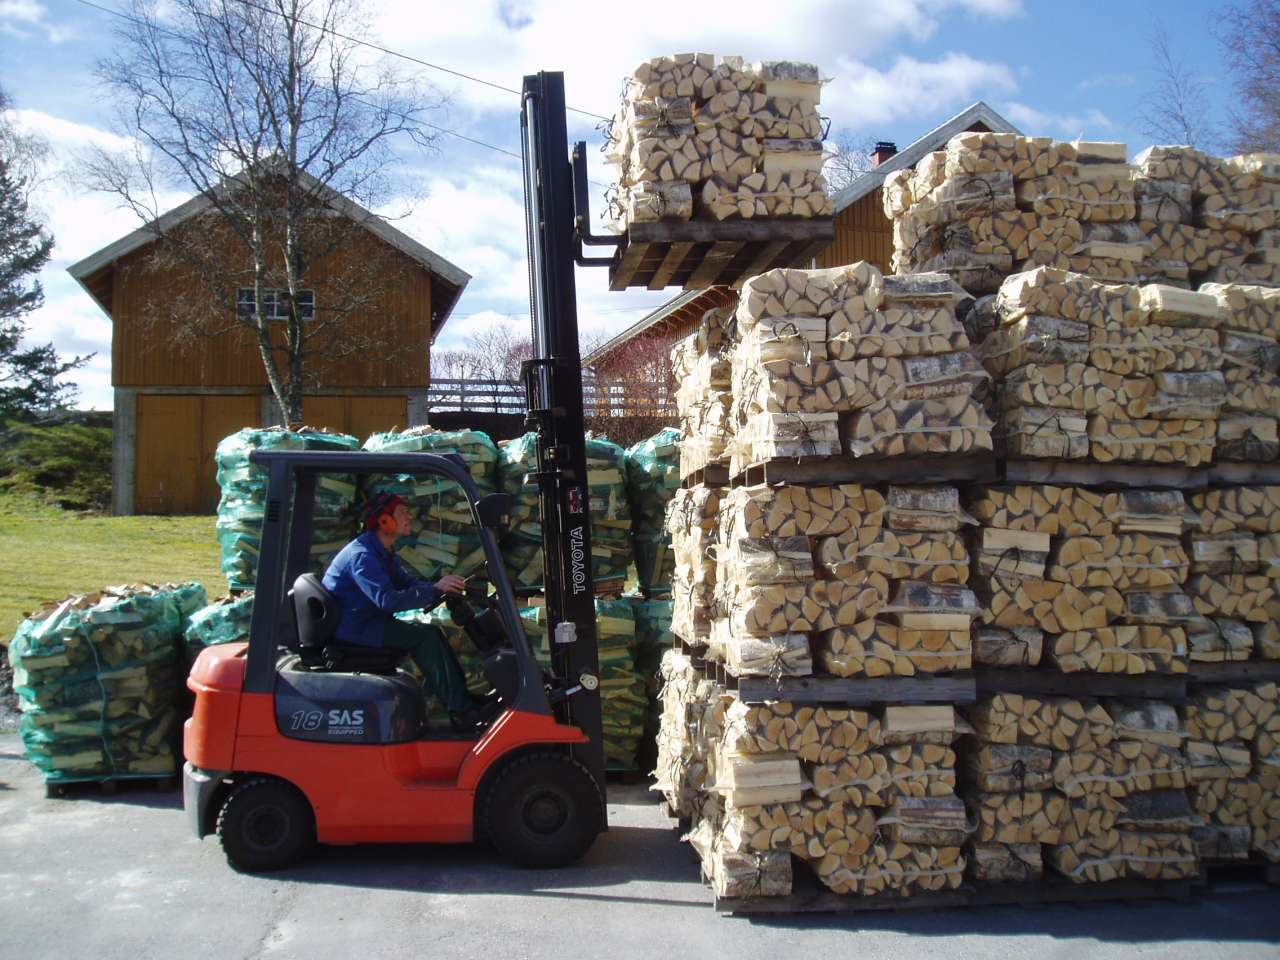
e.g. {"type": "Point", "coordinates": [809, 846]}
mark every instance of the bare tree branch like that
{"type": "Point", "coordinates": [848, 158]}
{"type": "Point", "coordinates": [1176, 109]}
{"type": "Point", "coordinates": [1250, 39]}
{"type": "Point", "coordinates": [267, 109]}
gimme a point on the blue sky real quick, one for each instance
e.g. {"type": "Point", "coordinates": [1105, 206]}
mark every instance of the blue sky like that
{"type": "Point", "coordinates": [897, 69]}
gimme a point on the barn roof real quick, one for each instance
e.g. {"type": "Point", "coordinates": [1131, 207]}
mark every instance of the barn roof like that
{"type": "Point", "coordinates": [447, 279]}
{"type": "Point", "coordinates": [689, 306]}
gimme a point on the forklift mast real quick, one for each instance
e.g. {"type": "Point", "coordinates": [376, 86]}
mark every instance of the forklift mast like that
{"type": "Point", "coordinates": [553, 387]}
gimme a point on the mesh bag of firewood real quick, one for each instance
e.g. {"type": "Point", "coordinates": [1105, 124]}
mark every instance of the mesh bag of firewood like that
{"type": "Point", "coordinates": [224, 621]}
{"type": "Point", "coordinates": [244, 496]}
{"type": "Point", "coordinates": [445, 537]}
{"type": "Point", "coordinates": [98, 678]}
{"type": "Point", "coordinates": [653, 476]}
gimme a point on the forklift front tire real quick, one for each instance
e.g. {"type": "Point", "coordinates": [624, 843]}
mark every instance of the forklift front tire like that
{"type": "Point", "coordinates": [543, 811]}
{"type": "Point", "coordinates": [264, 824]}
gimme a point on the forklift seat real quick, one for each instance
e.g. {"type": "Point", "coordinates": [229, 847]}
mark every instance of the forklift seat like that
{"type": "Point", "coordinates": [315, 615]}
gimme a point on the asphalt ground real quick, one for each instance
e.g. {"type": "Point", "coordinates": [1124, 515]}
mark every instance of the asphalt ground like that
{"type": "Point", "coordinates": [120, 877]}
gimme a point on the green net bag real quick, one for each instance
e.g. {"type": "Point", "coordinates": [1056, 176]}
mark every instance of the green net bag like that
{"type": "Point", "coordinates": [653, 477]}
{"type": "Point", "coordinates": [445, 537]}
{"type": "Point", "coordinates": [244, 496]}
{"type": "Point", "coordinates": [611, 550]}
{"type": "Point", "coordinates": [224, 621]}
{"type": "Point", "coordinates": [98, 678]}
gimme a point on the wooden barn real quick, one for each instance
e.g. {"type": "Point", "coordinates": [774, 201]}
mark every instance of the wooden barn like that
{"type": "Point", "coordinates": [863, 232]}
{"type": "Point", "coordinates": [176, 395]}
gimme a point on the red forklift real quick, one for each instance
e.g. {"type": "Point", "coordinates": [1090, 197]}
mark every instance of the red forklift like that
{"type": "Point", "coordinates": [296, 738]}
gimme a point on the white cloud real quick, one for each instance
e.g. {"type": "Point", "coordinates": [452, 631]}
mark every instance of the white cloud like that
{"type": "Point", "coordinates": [17, 17]}
{"type": "Point", "coordinates": [1088, 124]}
{"type": "Point", "coordinates": [861, 95]}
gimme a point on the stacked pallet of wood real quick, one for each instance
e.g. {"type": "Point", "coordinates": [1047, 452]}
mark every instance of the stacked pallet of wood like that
{"type": "Point", "coordinates": [1083, 581]}
{"type": "Point", "coordinates": [700, 136]}
{"type": "Point", "coordinates": [701, 366]}
{"type": "Point", "coordinates": [846, 360]}
{"type": "Point", "coordinates": [1231, 748]}
{"type": "Point", "coordinates": [867, 800]}
{"type": "Point", "coordinates": [1096, 792]}
{"type": "Point", "coordinates": [1108, 372]}
{"type": "Point", "coordinates": [692, 522]}
{"type": "Point", "coordinates": [990, 204]}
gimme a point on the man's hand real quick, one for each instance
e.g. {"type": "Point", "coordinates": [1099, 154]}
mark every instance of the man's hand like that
{"type": "Point", "coordinates": [451, 583]}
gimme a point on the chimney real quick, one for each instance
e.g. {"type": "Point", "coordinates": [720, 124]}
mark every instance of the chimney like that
{"type": "Point", "coordinates": [883, 151]}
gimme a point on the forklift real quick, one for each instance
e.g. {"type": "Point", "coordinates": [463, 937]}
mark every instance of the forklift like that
{"type": "Point", "coordinates": [296, 738]}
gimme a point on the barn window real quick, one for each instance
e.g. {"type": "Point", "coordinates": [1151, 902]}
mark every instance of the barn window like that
{"type": "Point", "coordinates": [273, 303]}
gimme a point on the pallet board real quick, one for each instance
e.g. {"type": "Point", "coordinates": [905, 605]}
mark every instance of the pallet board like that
{"type": "Point", "coordinates": [695, 254]}
{"type": "Point", "coordinates": [1041, 682]}
{"type": "Point", "coordinates": [1234, 474]}
{"type": "Point", "coordinates": [857, 691]}
{"type": "Point", "coordinates": [1078, 473]}
{"type": "Point", "coordinates": [713, 475]}
{"type": "Point", "coordinates": [972, 468]}
{"type": "Point", "coordinates": [1235, 671]}
{"type": "Point", "coordinates": [819, 900]}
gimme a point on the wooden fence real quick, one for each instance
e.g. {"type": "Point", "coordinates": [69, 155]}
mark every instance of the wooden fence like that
{"type": "Point", "coordinates": [599, 399]}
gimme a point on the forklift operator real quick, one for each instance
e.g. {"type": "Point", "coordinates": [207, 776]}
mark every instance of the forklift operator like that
{"type": "Point", "coordinates": [371, 584]}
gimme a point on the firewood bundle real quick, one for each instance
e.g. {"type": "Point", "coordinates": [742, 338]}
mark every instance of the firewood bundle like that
{"type": "Point", "coordinates": [717, 137]}
{"type": "Point", "coordinates": [989, 205]}
{"type": "Point", "coordinates": [1120, 854]}
{"type": "Point", "coordinates": [691, 523]}
{"type": "Point", "coordinates": [700, 364]}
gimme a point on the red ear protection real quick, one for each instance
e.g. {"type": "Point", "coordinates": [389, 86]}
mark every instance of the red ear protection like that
{"type": "Point", "coordinates": [386, 523]}
{"type": "Point", "coordinates": [381, 507]}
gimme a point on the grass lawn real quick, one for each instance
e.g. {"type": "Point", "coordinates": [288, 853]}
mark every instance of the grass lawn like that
{"type": "Point", "coordinates": [47, 553]}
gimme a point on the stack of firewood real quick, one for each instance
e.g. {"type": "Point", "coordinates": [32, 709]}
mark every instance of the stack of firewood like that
{"type": "Point", "coordinates": [1097, 791]}
{"type": "Point", "coordinates": [700, 366]}
{"type": "Point", "coordinates": [1114, 372]}
{"type": "Point", "coordinates": [866, 799]}
{"type": "Point", "coordinates": [692, 518]}
{"type": "Point", "coordinates": [716, 137]}
{"type": "Point", "coordinates": [1081, 580]}
{"type": "Point", "coordinates": [992, 204]}
{"type": "Point", "coordinates": [848, 360]}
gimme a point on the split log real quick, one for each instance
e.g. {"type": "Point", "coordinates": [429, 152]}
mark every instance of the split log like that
{"type": "Point", "coordinates": [1147, 511]}
{"type": "Point", "coordinates": [1252, 508]}
{"type": "Point", "coordinates": [1247, 392]}
{"type": "Point", "coordinates": [964, 196]}
{"type": "Point", "coordinates": [817, 734]}
{"type": "Point", "coordinates": [798, 339]}
{"type": "Point", "coordinates": [852, 291]}
{"type": "Point", "coordinates": [1013, 553]}
{"type": "Point", "coordinates": [1162, 202]}
{"type": "Point", "coordinates": [1251, 351]}
{"type": "Point", "coordinates": [1226, 802]}
{"type": "Point", "coordinates": [788, 510]}
{"type": "Point", "coordinates": [785, 656]}
{"type": "Point", "coordinates": [1059, 723]}
{"type": "Point", "coordinates": [1248, 210]}
{"type": "Point", "coordinates": [1121, 649]}
{"type": "Point", "coordinates": [1222, 714]}
{"type": "Point", "coordinates": [1200, 248]}
{"type": "Point", "coordinates": [1254, 309]}
{"type": "Point", "coordinates": [1076, 386]}
{"type": "Point", "coordinates": [1121, 561]}
{"type": "Point", "coordinates": [1124, 767]}
{"type": "Point", "coordinates": [892, 427]}
{"type": "Point", "coordinates": [1035, 339]}
{"type": "Point", "coordinates": [1187, 442]}
{"type": "Point", "coordinates": [1149, 721]}
{"type": "Point", "coordinates": [874, 648]}
{"type": "Point", "coordinates": [1015, 647]}
{"type": "Point", "coordinates": [1056, 293]}
{"type": "Point", "coordinates": [1158, 606]}
{"type": "Point", "coordinates": [877, 778]}
{"type": "Point", "coordinates": [1266, 640]}
{"type": "Point", "coordinates": [1148, 350]}
{"type": "Point", "coordinates": [940, 821]}
{"type": "Point", "coordinates": [649, 201]}
{"type": "Point", "coordinates": [932, 557]}
{"type": "Point", "coordinates": [1036, 508]}
{"type": "Point", "coordinates": [1251, 597]}
{"type": "Point", "coordinates": [917, 605]}
{"type": "Point", "coordinates": [751, 779]}
{"type": "Point", "coordinates": [1221, 843]}
{"type": "Point", "coordinates": [1089, 817]}
{"type": "Point", "coordinates": [768, 436]}
{"type": "Point", "coordinates": [1099, 200]}
{"type": "Point", "coordinates": [1171, 307]}
{"type": "Point", "coordinates": [1027, 816]}
{"type": "Point", "coordinates": [1118, 854]}
{"type": "Point", "coordinates": [895, 331]}
{"type": "Point", "coordinates": [1009, 768]}
{"type": "Point", "coordinates": [1045, 433]}
{"type": "Point", "coordinates": [800, 194]}
{"type": "Point", "coordinates": [1264, 274]}
{"type": "Point", "coordinates": [776, 609]}
{"type": "Point", "coordinates": [902, 868]}
{"type": "Point", "coordinates": [1206, 175]}
{"type": "Point", "coordinates": [933, 508]}
{"type": "Point", "coordinates": [1251, 439]}
{"type": "Point", "coordinates": [1005, 862]}
{"type": "Point", "coordinates": [693, 507]}
{"type": "Point", "coordinates": [1217, 761]}
{"type": "Point", "coordinates": [1217, 640]}
{"type": "Point", "coordinates": [1049, 605]}
{"type": "Point", "coordinates": [754, 562]}
{"type": "Point", "coordinates": [813, 387]}
{"type": "Point", "coordinates": [757, 114]}
{"type": "Point", "coordinates": [739, 875]}
{"type": "Point", "coordinates": [1022, 157]}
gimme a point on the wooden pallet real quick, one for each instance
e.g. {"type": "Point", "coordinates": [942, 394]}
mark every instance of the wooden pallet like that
{"type": "Point", "coordinates": [1234, 671]}
{"type": "Point", "coordinates": [854, 691]}
{"type": "Point", "coordinates": [696, 254]}
{"type": "Point", "coordinates": [1239, 474]}
{"type": "Point", "coordinates": [1041, 682]}
{"type": "Point", "coordinates": [967, 468]}
{"type": "Point", "coordinates": [1083, 473]}
{"type": "Point", "coordinates": [1255, 872]}
{"type": "Point", "coordinates": [712, 475]}
{"type": "Point", "coordinates": [813, 898]}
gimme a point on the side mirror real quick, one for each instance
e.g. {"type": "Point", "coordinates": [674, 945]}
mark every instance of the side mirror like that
{"type": "Point", "coordinates": [494, 510]}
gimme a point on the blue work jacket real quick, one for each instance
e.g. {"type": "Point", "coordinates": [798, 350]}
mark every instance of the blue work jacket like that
{"type": "Point", "coordinates": [371, 584]}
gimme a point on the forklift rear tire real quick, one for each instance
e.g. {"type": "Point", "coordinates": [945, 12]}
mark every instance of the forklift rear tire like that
{"type": "Point", "coordinates": [543, 810]}
{"type": "Point", "coordinates": [264, 824]}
